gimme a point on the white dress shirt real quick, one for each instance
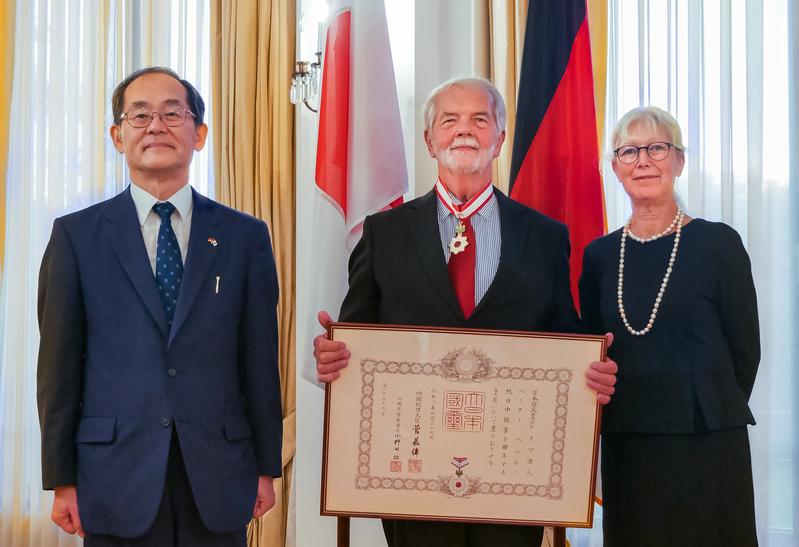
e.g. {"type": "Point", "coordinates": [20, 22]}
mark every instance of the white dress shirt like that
{"type": "Point", "coordinates": [150, 222]}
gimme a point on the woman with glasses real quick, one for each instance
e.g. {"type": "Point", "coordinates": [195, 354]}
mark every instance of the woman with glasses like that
{"type": "Point", "coordinates": [677, 293]}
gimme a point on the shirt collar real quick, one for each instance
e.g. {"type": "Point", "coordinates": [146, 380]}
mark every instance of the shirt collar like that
{"type": "Point", "coordinates": [144, 201]}
{"type": "Point", "coordinates": [485, 211]}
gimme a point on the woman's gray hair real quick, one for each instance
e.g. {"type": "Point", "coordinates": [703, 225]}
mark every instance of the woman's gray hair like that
{"type": "Point", "coordinates": [650, 117]}
{"type": "Point", "coordinates": [498, 103]}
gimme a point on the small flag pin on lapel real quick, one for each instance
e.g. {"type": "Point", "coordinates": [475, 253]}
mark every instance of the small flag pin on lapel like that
{"type": "Point", "coordinates": [212, 241]}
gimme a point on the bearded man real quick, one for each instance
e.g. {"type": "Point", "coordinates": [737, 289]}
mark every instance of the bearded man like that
{"type": "Point", "coordinates": [462, 255]}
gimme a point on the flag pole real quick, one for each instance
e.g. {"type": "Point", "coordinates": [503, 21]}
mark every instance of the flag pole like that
{"type": "Point", "coordinates": [559, 537]}
{"type": "Point", "coordinates": [343, 532]}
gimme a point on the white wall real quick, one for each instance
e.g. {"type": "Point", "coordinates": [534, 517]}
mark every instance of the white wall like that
{"type": "Point", "coordinates": [430, 42]}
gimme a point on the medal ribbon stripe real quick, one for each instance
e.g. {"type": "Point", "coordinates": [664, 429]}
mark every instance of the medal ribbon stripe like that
{"type": "Point", "coordinates": [470, 207]}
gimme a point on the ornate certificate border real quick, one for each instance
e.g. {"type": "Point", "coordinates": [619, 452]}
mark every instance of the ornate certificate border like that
{"type": "Point", "coordinates": [478, 360]}
{"type": "Point", "coordinates": [462, 485]}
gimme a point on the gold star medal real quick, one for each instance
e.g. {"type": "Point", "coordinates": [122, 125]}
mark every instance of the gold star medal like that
{"type": "Point", "coordinates": [459, 242]}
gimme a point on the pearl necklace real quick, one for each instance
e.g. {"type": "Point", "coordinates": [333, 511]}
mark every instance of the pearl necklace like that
{"type": "Point", "coordinates": [668, 229]}
{"type": "Point", "coordinates": [620, 287]}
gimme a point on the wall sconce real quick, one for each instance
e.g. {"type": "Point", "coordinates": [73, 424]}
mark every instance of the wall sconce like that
{"type": "Point", "coordinates": [307, 82]}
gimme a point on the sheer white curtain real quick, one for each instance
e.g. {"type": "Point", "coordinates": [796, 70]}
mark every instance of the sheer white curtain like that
{"type": "Point", "coordinates": [722, 68]}
{"type": "Point", "coordinates": [69, 55]}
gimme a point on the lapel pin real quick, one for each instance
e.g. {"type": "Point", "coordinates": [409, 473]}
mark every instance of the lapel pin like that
{"type": "Point", "coordinates": [216, 290]}
{"type": "Point", "coordinates": [212, 241]}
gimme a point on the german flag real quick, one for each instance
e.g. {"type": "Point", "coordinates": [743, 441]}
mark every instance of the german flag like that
{"type": "Point", "coordinates": [555, 162]}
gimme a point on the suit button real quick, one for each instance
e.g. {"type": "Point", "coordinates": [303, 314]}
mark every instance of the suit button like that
{"type": "Point", "coordinates": [172, 372]}
{"type": "Point", "coordinates": [165, 422]}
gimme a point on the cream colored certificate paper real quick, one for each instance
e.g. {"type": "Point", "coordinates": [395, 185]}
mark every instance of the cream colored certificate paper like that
{"type": "Point", "coordinates": [448, 424]}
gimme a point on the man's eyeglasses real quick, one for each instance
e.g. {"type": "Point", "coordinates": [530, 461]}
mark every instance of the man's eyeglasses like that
{"type": "Point", "coordinates": [172, 117]}
{"type": "Point", "coordinates": [655, 151]}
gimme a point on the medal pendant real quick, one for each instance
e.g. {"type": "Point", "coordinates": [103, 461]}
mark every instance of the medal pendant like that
{"type": "Point", "coordinates": [460, 228]}
{"type": "Point", "coordinates": [458, 243]}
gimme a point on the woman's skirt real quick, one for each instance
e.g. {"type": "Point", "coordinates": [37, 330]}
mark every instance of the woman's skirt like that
{"type": "Point", "coordinates": [678, 490]}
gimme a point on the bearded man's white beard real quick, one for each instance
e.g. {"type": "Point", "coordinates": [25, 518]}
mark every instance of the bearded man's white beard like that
{"type": "Point", "coordinates": [454, 160]}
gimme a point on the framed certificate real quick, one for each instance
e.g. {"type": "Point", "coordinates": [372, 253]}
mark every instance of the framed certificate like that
{"type": "Point", "coordinates": [462, 425]}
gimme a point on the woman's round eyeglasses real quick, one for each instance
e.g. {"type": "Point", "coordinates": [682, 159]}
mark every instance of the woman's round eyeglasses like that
{"type": "Point", "coordinates": [656, 151]}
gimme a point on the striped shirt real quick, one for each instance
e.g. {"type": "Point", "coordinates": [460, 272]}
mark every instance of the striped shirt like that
{"type": "Point", "coordinates": [485, 223]}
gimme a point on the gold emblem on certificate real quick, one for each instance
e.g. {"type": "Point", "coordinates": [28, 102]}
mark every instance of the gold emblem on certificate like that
{"type": "Point", "coordinates": [459, 242]}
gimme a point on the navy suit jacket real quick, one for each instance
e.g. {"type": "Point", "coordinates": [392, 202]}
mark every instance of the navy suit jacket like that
{"type": "Point", "coordinates": [114, 380]}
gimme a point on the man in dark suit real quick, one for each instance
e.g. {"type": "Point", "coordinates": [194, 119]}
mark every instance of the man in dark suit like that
{"type": "Point", "coordinates": [158, 386]}
{"type": "Point", "coordinates": [463, 255]}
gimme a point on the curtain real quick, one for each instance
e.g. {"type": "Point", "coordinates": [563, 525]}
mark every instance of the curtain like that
{"type": "Point", "coordinates": [68, 56]}
{"type": "Point", "coordinates": [506, 24]}
{"type": "Point", "coordinates": [793, 253]}
{"type": "Point", "coordinates": [712, 65]}
{"type": "Point", "coordinates": [598, 32]}
{"type": "Point", "coordinates": [6, 73]}
{"type": "Point", "coordinates": [252, 62]}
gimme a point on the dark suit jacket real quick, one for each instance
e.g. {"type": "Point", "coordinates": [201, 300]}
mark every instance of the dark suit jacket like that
{"type": "Point", "coordinates": [398, 273]}
{"type": "Point", "coordinates": [113, 379]}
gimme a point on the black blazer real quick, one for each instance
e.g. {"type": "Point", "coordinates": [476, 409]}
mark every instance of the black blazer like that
{"type": "Point", "coordinates": [398, 273]}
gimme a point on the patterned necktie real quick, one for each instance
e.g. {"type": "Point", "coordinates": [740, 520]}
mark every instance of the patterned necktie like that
{"type": "Point", "coordinates": [168, 261]}
{"type": "Point", "coordinates": [461, 271]}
